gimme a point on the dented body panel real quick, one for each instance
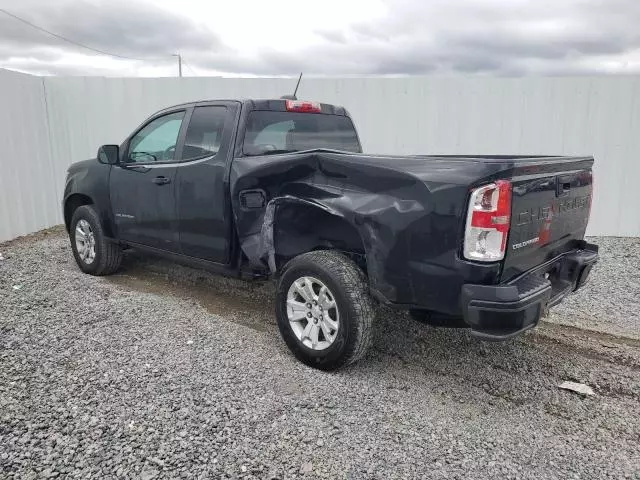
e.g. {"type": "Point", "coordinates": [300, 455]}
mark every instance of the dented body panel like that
{"type": "Point", "coordinates": [408, 211]}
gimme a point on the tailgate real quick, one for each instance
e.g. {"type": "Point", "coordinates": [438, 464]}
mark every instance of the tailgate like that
{"type": "Point", "coordinates": [550, 206]}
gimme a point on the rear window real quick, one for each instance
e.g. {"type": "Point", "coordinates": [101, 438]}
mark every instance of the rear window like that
{"type": "Point", "coordinates": [282, 132]}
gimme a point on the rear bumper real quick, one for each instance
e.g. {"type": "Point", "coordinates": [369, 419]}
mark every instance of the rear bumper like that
{"type": "Point", "coordinates": [500, 312]}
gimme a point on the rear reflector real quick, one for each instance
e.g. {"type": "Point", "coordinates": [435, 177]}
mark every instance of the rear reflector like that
{"type": "Point", "coordinates": [488, 220]}
{"type": "Point", "coordinates": [303, 106]}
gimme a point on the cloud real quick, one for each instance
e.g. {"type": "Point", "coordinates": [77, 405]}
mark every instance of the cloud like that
{"type": "Point", "coordinates": [488, 36]}
{"type": "Point", "coordinates": [126, 28]}
{"type": "Point", "coordinates": [494, 37]}
{"type": "Point", "coordinates": [503, 37]}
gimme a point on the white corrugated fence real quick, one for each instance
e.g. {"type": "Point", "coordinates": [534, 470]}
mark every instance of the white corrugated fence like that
{"type": "Point", "coordinates": [46, 123]}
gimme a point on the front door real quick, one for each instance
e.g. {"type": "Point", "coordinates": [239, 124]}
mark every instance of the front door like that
{"type": "Point", "coordinates": [142, 186]}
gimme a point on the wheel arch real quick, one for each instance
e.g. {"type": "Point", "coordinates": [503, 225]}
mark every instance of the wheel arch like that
{"type": "Point", "coordinates": [305, 227]}
{"type": "Point", "coordinates": [293, 226]}
{"type": "Point", "coordinates": [71, 204]}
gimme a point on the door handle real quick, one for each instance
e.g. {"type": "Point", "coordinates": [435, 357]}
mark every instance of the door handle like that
{"type": "Point", "coordinates": [161, 180]}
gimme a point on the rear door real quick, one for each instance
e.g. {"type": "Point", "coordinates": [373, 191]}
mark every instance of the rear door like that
{"type": "Point", "coordinates": [550, 210]}
{"type": "Point", "coordinates": [142, 186]}
{"type": "Point", "coordinates": [203, 203]}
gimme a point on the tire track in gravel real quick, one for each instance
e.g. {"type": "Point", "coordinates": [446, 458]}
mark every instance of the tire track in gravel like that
{"type": "Point", "coordinates": [251, 304]}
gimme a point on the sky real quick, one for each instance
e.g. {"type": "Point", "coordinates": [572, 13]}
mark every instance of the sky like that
{"type": "Point", "coordinates": [322, 37]}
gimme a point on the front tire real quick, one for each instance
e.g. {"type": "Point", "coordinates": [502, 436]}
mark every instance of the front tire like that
{"type": "Point", "coordinates": [324, 310]}
{"type": "Point", "coordinates": [95, 254]}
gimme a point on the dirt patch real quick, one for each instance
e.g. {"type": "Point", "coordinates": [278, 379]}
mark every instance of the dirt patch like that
{"type": "Point", "coordinates": [203, 288]}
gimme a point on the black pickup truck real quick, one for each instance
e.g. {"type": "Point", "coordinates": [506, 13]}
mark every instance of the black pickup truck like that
{"type": "Point", "coordinates": [281, 189]}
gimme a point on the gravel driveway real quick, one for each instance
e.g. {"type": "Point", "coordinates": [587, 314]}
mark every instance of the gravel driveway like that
{"type": "Point", "coordinates": [169, 372]}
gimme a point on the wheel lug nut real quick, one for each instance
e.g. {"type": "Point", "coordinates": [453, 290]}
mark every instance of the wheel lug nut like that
{"type": "Point", "coordinates": [309, 315]}
{"type": "Point", "coordinates": [308, 305]}
{"type": "Point", "coordinates": [315, 302]}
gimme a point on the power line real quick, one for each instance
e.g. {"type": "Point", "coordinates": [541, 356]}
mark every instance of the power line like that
{"type": "Point", "coordinates": [73, 42]}
{"type": "Point", "coordinates": [189, 67]}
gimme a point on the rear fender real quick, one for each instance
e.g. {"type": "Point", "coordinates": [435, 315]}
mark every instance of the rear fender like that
{"type": "Point", "coordinates": [362, 237]}
{"type": "Point", "coordinates": [398, 225]}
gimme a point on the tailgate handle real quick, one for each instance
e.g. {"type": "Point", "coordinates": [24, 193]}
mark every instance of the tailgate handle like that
{"type": "Point", "coordinates": [563, 185]}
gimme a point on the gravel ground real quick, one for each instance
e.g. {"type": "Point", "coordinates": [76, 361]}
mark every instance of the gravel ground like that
{"type": "Point", "coordinates": [169, 372]}
{"type": "Point", "coordinates": [611, 304]}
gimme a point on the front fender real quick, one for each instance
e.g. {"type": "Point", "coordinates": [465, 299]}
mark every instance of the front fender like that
{"type": "Point", "coordinates": [89, 180]}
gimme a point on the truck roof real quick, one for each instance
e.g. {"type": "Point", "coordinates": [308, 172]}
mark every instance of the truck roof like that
{"type": "Point", "coordinates": [278, 104]}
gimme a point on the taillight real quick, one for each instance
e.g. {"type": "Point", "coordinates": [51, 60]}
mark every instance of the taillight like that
{"type": "Point", "coordinates": [488, 220]}
{"type": "Point", "coordinates": [303, 106]}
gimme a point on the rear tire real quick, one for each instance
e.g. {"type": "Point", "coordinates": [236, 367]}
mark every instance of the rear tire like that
{"type": "Point", "coordinates": [95, 254]}
{"type": "Point", "coordinates": [348, 308]}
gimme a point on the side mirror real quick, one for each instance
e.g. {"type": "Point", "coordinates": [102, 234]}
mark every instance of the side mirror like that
{"type": "Point", "coordinates": [109, 154]}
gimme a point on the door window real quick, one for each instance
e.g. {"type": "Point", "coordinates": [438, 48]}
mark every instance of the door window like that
{"type": "Point", "coordinates": [204, 132]}
{"type": "Point", "coordinates": [156, 141]}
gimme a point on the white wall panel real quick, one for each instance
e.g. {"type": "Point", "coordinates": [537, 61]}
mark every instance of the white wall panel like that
{"type": "Point", "coordinates": [68, 118]}
{"type": "Point", "coordinates": [28, 200]}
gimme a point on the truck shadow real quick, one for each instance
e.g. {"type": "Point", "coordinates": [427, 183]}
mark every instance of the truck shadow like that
{"type": "Point", "coordinates": [249, 303]}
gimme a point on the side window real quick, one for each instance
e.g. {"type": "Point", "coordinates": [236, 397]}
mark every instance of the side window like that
{"type": "Point", "coordinates": [156, 141]}
{"type": "Point", "coordinates": [204, 132]}
{"type": "Point", "coordinates": [274, 134]}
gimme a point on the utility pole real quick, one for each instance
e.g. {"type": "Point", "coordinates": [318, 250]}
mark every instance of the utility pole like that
{"type": "Point", "coordinates": [179, 63]}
